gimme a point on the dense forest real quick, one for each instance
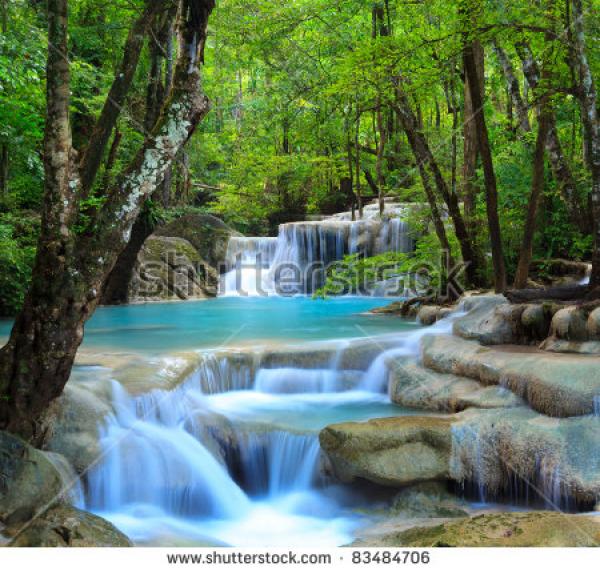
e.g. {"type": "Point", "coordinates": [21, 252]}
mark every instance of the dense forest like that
{"type": "Point", "coordinates": [118, 117]}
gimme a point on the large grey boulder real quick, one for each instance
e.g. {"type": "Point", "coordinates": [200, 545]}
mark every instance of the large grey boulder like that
{"type": "Point", "coordinates": [395, 451]}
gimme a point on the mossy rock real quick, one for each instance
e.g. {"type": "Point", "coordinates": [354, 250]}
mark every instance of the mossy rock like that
{"type": "Point", "coordinates": [66, 526]}
{"type": "Point", "coordinates": [509, 529]}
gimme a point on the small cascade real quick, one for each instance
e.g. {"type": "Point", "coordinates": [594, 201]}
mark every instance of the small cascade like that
{"type": "Point", "coordinates": [298, 257]}
{"type": "Point", "coordinates": [375, 378]}
{"type": "Point", "coordinates": [597, 406]}
{"type": "Point", "coordinates": [278, 462]}
{"type": "Point", "coordinates": [151, 460]}
{"type": "Point", "coordinates": [294, 380]}
{"type": "Point", "coordinates": [222, 373]}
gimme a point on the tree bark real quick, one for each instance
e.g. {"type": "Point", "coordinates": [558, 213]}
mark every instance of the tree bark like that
{"type": "Point", "coordinates": [537, 186]}
{"type": "Point", "coordinates": [558, 161]}
{"type": "Point", "coordinates": [92, 157]}
{"type": "Point", "coordinates": [513, 87]}
{"type": "Point", "coordinates": [485, 152]}
{"type": "Point", "coordinates": [591, 127]}
{"type": "Point", "coordinates": [470, 149]}
{"type": "Point", "coordinates": [71, 266]}
{"type": "Point", "coordinates": [425, 159]}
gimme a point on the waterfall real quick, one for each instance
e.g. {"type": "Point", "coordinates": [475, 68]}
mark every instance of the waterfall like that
{"type": "Point", "coordinates": [151, 459]}
{"type": "Point", "coordinates": [278, 462]}
{"type": "Point", "coordinates": [296, 260]}
{"type": "Point", "coordinates": [376, 377]}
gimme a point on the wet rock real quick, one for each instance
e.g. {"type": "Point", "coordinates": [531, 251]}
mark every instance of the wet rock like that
{"type": "Point", "coordinates": [392, 451]}
{"type": "Point", "coordinates": [416, 387]}
{"type": "Point", "coordinates": [513, 529]}
{"type": "Point", "coordinates": [29, 480]}
{"type": "Point", "coordinates": [430, 314]}
{"type": "Point", "coordinates": [428, 500]}
{"type": "Point", "coordinates": [490, 320]}
{"type": "Point", "coordinates": [66, 526]}
{"type": "Point", "coordinates": [73, 425]}
{"type": "Point", "coordinates": [495, 450]}
{"type": "Point", "coordinates": [554, 384]}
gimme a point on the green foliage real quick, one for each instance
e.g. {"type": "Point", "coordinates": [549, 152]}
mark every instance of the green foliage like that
{"type": "Point", "coordinates": [17, 252]}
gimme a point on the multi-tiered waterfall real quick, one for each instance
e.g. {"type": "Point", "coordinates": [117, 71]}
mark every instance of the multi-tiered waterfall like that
{"type": "Point", "coordinates": [295, 262]}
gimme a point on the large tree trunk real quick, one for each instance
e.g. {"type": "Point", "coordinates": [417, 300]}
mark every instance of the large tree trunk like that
{"type": "Point", "coordinates": [591, 127]}
{"type": "Point", "coordinates": [485, 152]}
{"type": "Point", "coordinates": [537, 186]}
{"type": "Point", "coordinates": [71, 266]}
{"type": "Point", "coordinates": [470, 149]}
{"type": "Point", "coordinates": [425, 159]}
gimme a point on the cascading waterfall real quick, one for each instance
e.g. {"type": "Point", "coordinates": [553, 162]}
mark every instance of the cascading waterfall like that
{"type": "Point", "coordinates": [296, 259]}
{"type": "Point", "coordinates": [277, 463]}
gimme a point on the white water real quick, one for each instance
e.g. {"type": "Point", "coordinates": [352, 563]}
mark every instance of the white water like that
{"type": "Point", "coordinates": [166, 477]}
{"type": "Point", "coordinates": [294, 261]}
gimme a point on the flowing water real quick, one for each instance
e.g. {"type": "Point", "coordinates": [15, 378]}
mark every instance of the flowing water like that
{"type": "Point", "coordinates": [295, 261]}
{"type": "Point", "coordinates": [231, 456]}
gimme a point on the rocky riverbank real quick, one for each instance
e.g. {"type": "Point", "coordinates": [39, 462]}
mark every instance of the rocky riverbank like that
{"type": "Point", "coordinates": [517, 390]}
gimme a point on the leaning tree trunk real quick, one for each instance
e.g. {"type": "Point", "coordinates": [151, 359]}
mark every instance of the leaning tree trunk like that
{"type": "Point", "coordinates": [485, 152]}
{"type": "Point", "coordinates": [72, 264]}
{"type": "Point", "coordinates": [425, 159]}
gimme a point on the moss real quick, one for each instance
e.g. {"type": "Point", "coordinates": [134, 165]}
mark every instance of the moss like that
{"type": "Point", "coordinates": [518, 529]}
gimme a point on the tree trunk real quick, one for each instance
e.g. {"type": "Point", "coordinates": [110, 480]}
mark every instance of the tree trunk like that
{"type": "Point", "coordinates": [537, 186]}
{"type": "Point", "coordinates": [425, 159]}
{"type": "Point", "coordinates": [470, 149]}
{"type": "Point", "coordinates": [559, 163]}
{"type": "Point", "coordinates": [514, 90]}
{"type": "Point", "coordinates": [380, 157]}
{"type": "Point", "coordinates": [92, 158]}
{"type": "Point", "coordinates": [71, 266]}
{"type": "Point", "coordinates": [358, 187]}
{"type": "Point", "coordinates": [591, 128]}
{"type": "Point", "coordinates": [485, 152]}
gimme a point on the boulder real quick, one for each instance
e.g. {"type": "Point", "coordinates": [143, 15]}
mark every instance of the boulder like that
{"type": "Point", "coordinates": [489, 320]}
{"type": "Point", "coordinates": [206, 233]}
{"type": "Point", "coordinates": [569, 324]}
{"type": "Point", "coordinates": [73, 423]}
{"type": "Point", "coordinates": [559, 385]}
{"type": "Point", "coordinates": [510, 529]}
{"type": "Point", "coordinates": [498, 451]}
{"type": "Point", "coordinates": [429, 314]}
{"type": "Point", "coordinates": [395, 451]}
{"type": "Point", "coordinates": [66, 526]}
{"type": "Point", "coordinates": [413, 386]}
{"type": "Point", "coordinates": [170, 268]}
{"type": "Point", "coordinates": [30, 480]}
{"type": "Point", "coordinates": [593, 324]}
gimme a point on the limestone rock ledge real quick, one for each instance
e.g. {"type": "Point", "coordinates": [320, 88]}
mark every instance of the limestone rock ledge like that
{"type": "Point", "coordinates": [510, 529]}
